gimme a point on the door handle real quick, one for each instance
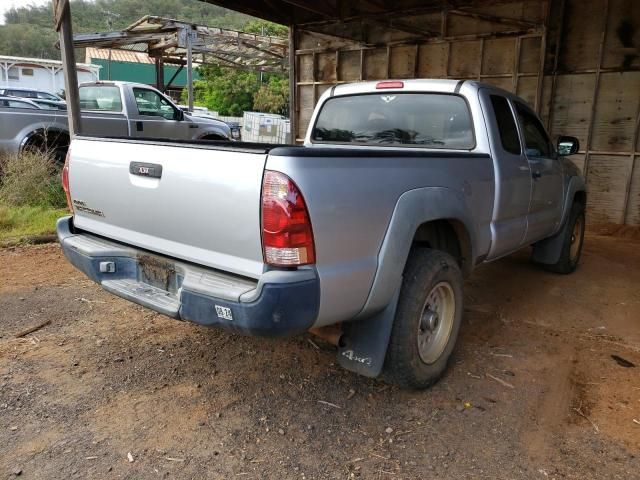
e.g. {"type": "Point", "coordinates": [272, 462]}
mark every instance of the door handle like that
{"type": "Point", "coordinates": [536, 175]}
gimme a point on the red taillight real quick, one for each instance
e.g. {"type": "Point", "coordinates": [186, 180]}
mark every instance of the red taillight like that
{"type": "Point", "coordinates": [287, 239]}
{"type": "Point", "coordinates": [381, 85]}
{"type": "Point", "coordinates": [65, 180]}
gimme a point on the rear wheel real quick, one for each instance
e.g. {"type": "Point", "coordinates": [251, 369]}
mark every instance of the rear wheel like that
{"type": "Point", "coordinates": [427, 320]}
{"type": "Point", "coordinates": [572, 242]}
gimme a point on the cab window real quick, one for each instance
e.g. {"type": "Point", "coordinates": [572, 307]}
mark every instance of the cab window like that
{"type": "Point", "coordinates": [506, 125]}
{"type": "Point", "coordinates": [101, 98]}
{"type": "Point", "coordinates": [537, 142]}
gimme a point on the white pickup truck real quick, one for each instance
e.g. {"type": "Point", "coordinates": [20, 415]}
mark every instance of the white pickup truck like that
{"type": "Point", "coordinates": [401, 189]}
{"type": "Point", "coordinates": [116, 109]}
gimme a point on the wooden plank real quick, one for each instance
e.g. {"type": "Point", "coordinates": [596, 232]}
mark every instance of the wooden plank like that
{"type": "Point", "coordinates": [306, 95]}
{"type": "Point", "coordinates": [606, 180]}
{"type": "Point", "coordinates": [402, 62]}
{"type": "Point", "coordinates": [582, 34]}
{"type": "Point", "coordinates": [632, 214]}
{"type": "Point", "coordinates": [528, 89]}
{"type": "Point", "coordinates": [293, 87]}
{"type": "Point", "coordinates": [596, 88]}
{"type": "Point", "coordinates": [463, 59]}
{"type": "Point", "coordinates": [572, 106]}
{"type": "Point", "coordinates": [432, 60]}
{"type": "Point", "coordinates": [632, 197]}
{"type": "Point", "coordinates": [499, 56]}
{"type": "Point", "coordinates": [349, 66]}
{"type": "Point", "coordinates": [621, 43]}
{"type": "Point", "coordinates": [326, 67]}
{"type": "Point", "coordinates": [616, 110]}
{"type": "Point", "coordinates": [375, 64]}
{"type": "Point", "coordinates": [305, 68]}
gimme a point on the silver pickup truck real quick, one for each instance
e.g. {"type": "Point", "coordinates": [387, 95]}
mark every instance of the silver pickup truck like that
{"type": "Point", "coordinates": [400, 190]}
{"type": "Point", "coordinates": [119, 109]}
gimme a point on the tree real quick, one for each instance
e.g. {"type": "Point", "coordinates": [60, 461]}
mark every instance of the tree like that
{"type": "Point", "coordinates": [273, 97]}
{"type": "Point", "coordinates": [224, 90]}
{"type": "Point", "coordinates": [263, 27]}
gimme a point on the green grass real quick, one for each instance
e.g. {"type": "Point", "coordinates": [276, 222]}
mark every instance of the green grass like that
{"type": "Point", "coordinates": [20, 222]}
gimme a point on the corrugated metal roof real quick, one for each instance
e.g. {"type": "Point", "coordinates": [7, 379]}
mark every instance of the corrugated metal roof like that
{"type": "Point", "coordinates": [117, 55]}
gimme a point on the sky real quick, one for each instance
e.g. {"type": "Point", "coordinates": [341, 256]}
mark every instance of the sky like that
{"type": "Point", "coordinates": [7, 4]}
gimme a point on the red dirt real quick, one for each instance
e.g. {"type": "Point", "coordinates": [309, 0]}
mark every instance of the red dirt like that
{"type": "Point", "coordinates": [107, 378]}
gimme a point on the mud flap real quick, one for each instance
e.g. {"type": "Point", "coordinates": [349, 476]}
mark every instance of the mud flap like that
{"type": "Point", "coordinates": [548, 250]}
{"type": "Point", "coordinates": [363, 345]}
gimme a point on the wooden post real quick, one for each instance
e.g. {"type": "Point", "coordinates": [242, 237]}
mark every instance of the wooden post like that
{"type": "Point", "coordinates": [190, 68]}
{"type": "Point", "coordinates": [160, 74]}
{"type": "Point", "coordinates": [62, 15]}
{"type": "Point", "coordinates": [596, 90]}
{"type": "Point", "coordinates": [293, 87]}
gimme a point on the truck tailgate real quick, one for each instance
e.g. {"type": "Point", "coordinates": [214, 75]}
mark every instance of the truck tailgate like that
{"type": "Point", "coordinates": [204, 207]}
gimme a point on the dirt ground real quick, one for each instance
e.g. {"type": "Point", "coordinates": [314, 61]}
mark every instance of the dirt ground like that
{"type": "Point", "coordinates": [111, 390]}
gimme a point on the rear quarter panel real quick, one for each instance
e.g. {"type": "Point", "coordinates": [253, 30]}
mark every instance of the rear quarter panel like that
{"type": "Point", "coordinates": [351, 201]}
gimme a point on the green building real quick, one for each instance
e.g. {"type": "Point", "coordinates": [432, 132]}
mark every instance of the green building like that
{"type": "Point", "coordinates": [129, 66]}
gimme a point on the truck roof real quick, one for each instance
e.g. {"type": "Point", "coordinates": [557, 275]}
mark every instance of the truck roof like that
{"type": "Point", "coordinates": [116, 83]}
{"type": "Point", "coordinates": [420, 85]}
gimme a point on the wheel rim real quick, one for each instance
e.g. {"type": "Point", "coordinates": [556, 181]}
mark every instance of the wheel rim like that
{"type": "Point", "coordinates": [576, 239]}
{"type": "Point", "coordinates": [436, 322]}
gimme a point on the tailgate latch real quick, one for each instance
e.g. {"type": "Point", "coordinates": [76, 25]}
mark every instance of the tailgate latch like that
{"type": "Point", "coordinates": [152, 170]}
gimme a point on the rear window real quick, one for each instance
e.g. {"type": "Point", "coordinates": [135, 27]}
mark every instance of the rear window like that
{"type": "Point", "coordinates": [102, 98]}
{"type": "Point", "coordinates": [431, 120]}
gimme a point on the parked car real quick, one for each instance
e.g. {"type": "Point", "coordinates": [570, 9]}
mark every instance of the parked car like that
{"type": "Point", "coordinates": [119, 109]}
{"type": "Point", "coordinates": [49, 104]}
{"type": "Point", "coordinates": [401, 189]}
{"type": "Point", "coordinates": [13, 102]}
{"type": "Point", "coordinates": [29, 93]}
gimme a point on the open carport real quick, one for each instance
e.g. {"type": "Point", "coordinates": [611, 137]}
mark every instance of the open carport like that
{"type": "Point", "coordinates": [544, 382]}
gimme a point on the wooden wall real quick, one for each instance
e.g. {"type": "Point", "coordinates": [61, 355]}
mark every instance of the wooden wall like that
{"type": "Point", "coordinates": [589, 51]}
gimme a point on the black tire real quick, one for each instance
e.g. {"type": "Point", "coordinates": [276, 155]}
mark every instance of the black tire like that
{"type": "Point", "coordinates": [427, 270]}
{"type": "Point", "coordinates": [569, 258]}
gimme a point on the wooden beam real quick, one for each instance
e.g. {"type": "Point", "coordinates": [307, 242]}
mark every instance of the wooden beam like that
{"type": "Point", "coordinates": [313, 8]}
{"type": "Point", "coordinates": [596, 88]}
{"type": "Point", "coordinates": [62, 12]}
{"type": "Point", "coordinates": [627, 192]}
{"type": "Point", "coordinates": [405, 27]}
{"type": "Point", "coordinates": [494, 18]}
{"type": "Point", "coordinates": [293, 87]}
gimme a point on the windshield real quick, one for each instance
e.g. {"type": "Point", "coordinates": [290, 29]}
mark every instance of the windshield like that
{"type": "Point", "coordinates": [431, 120]}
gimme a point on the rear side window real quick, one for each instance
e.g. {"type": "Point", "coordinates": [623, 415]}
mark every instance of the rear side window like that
{"type": "Point", "coordinates": [536, 138]}
{"type": "Point", "coordinates": [430, 120]}
{"type": "Point", "coordinates": [103, 98]}
{"type": "Point", "coordinates": [506, 125]}
{"type": "Point", "coordinates": [22, 93]}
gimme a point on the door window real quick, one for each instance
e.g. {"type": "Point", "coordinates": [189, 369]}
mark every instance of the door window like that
{"type": "Point", "coordinates": [536, 138]}
{"type": "Point", "coordinates": [152, 104]}
{"type": "Point", "coordinates": [506, 125]}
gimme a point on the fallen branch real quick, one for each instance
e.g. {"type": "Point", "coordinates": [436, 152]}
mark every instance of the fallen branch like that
{"type": "Point", "coordinates": [32, 329]}
{"type": "Point", "coordinates": [329, 404]}
{"type": "Point", "coordinates": [500, 381]}
{"type": "Point", "coordinates": [581, 413]}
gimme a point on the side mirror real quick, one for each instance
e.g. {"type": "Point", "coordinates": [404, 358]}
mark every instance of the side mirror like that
{"type": "Point", "coordinates": [178, 115]}
{"type": "Point", "coordinates": [568, 145]}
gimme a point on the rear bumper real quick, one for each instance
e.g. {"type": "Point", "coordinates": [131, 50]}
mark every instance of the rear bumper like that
{"type": "Point", "coordinates": [281, 303]}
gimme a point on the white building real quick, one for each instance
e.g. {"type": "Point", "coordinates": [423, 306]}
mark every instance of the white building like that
{"type": "Point", "coordinates": [41, 74]}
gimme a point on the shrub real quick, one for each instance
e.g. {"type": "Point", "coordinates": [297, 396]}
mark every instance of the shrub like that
{"type": "Point", "coordinates": [32, 179]}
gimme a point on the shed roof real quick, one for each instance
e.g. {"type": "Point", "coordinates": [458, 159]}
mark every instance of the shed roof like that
{"type": "Point", "coordinates": [408, 19]}
{"type": "Point", "coordinates": [167, 38]}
